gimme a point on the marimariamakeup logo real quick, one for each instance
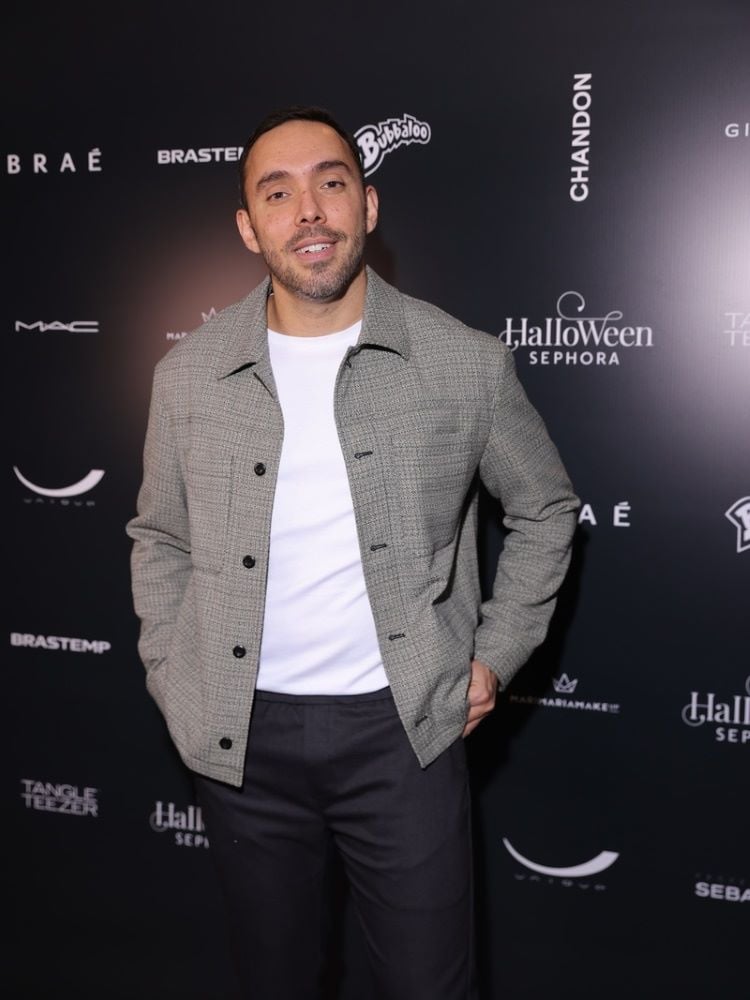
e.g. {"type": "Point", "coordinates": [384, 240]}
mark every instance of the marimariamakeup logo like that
{"type": "Point", "coordinates": [376, 141]}
{"type": "Point", "coordinates": [570, 339]}
{"type": "Point", "coordinates": [179, 334]}
{"type": "Point", "coordinates": [563, 686]}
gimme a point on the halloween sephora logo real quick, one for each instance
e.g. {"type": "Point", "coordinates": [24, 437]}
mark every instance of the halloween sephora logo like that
{"type": "Point", "coordinates": [573, 338]}
{"type": "Point", "coordinates": [186, 825]}
{"type": "Point", "coordinates": [729, 716]}
{"type": "Point", "coordinates": [376, 141]}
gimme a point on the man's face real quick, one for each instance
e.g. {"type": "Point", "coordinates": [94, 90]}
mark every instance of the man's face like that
{"type": "Point", "coordinates": [308, 213]}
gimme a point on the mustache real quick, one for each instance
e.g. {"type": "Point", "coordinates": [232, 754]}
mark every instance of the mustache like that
{"type": "Point", "coordinates": [315, 232]}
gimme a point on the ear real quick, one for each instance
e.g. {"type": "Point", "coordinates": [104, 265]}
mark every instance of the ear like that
{"type": "Point", "coordinates": [371, 208]}
{"type": "Point", "coordinates": [247, 232]}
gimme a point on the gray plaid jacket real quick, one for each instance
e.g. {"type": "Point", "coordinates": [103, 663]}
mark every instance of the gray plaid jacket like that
{"type": "Point", "coordinates": [424, 407]}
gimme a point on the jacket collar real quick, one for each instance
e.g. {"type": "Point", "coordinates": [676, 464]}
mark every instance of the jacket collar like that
{"type": "Point", "coordinates": [246, 340]}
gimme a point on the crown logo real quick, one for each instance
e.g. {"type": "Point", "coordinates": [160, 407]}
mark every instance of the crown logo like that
{"type": "Point", "coordinates": [564, 685]}
{"type": "Point", "coordinates": [209, 315]}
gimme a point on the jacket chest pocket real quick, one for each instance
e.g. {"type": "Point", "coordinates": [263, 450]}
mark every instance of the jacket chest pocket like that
{"type": "Point", "coordinates": [209, 498]}
{"type": "Point", "coordinates": [434, 474]}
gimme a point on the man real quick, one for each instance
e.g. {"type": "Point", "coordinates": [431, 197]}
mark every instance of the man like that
{"type": "Point", "coordinates": [305, 569]}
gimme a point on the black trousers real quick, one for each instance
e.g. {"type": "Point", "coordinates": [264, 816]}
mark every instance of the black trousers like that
{"type": "Point", "coordinates": [338, 771]}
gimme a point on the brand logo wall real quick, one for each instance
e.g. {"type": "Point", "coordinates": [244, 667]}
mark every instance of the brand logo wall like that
{"type": "Point", "coordinates": [204, 154]}
{"type": "Point", "coordinates": [179, 334]}
{"type": "Point", "coordinates": [59, 642]}
{"type": "Point", "coordinates": [376, 141]}
{"type": "Point", "coordinates": [42, 163]}
{"type": "Point", "coordinates": [47, 796]}
{"type": "Point", "coordinates": [187, 824]}
{"type": "Point", "coordinates": [737, 328]}
{"type": "Point", "coordinates": [739, 515]}
{"type": "Point", "coordinates": [581, 137]}
{"type": "Point", "coordinates": [564, 685]}
{"type": "Point", "coordinates": [567, 876]}
{"type": "Point", "coordinates": [63, 494]}
{"type": "Point", "coordinates": [729, 891]}
{"type": "Point", "coordinates": [734, 715]}
{"type": "Point", "coordinates": [737, 130]}
{"type": "Point", "coordinates": [575, 339]}
{"type": "Point", "coordinates": [75, 326]}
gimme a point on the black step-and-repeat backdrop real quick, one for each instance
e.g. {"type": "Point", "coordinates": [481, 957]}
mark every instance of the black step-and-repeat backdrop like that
{"type": "Point", "coordinates": [573, 177]}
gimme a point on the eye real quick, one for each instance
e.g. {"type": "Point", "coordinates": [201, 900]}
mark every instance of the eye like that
{"type": "Point", "coordinates": [333, 184]}
{"type": "Point", "coordinates": [277, 195]}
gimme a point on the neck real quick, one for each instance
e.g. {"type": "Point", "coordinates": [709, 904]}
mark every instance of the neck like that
{"type": "Point", "coordinates": [299, 317]}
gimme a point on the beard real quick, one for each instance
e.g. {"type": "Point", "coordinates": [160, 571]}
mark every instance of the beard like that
{"type": "Point", "coordinates": [325, 280]}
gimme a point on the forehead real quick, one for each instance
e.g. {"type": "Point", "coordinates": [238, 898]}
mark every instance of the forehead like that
{"type": "Point", "coordinates": [296, 147]}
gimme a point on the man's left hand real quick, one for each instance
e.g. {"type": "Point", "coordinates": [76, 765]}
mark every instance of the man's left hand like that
{"type": "Point", "coordinates": [481, 695]}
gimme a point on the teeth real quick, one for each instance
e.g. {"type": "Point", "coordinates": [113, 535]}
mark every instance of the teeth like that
{"type": "Point", "coordinates": [314, 248]}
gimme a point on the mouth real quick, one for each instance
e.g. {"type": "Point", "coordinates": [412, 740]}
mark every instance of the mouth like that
{"type": "Point", "coordinates": [319, 250]}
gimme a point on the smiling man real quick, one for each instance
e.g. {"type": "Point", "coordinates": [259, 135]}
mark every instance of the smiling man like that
{"type": "Point", "coordinates": [305, 571]}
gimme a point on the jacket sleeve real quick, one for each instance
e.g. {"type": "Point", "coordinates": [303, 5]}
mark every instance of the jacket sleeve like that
{"type": "Point", "coordinates": [520, 467]}
{"type": "Point", "coordinates": [160, 560]}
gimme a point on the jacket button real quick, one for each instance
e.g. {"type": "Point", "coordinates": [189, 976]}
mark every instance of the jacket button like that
{"type": "Point", "coordinates": [259, 469]}
{"type": "Point", "coordinates": [225, 743]}
{"type": "Point", "coordinates": [239, 652]}
{"type": "Point", "coordinates": [248, 562]}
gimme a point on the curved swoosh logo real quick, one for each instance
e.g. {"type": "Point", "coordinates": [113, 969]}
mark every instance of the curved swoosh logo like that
{"type": "Point", "coordinates": [592, 867]}
{"type": "Point", "coordinates": [88, 482]}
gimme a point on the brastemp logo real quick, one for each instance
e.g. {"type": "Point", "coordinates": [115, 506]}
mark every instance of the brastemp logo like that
{"type": "Point", "coordinates": [739, 515]}
{"type": "Point", "coordinates": [185, 824]}
{"type": "Point", "coordinates": [66, 496]}
{"type": "Point", "coordinates": [577, 875]}
{"type": "Point", "coordinates": [730, 718]}
{"type": "Point", "coordinates": [59, 643]}
{"type": "Point", "coordinates": [203, 154]}
{"type": "Point", "coordinates": [376, 141]}
{"type": "Point", "coordinates": [563, 686]}
{"type": "Point", "coordinates": [75, 326]}
{"type": "Point", "coordinates": [44, 163]}
{"type": "Point", "coordinates": [48, 796]}
{"type": "Point", "coordinates": [571, 338]}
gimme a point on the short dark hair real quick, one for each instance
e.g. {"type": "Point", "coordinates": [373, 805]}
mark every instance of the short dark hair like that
{"type": "Point", "coordinates": [296, 113]}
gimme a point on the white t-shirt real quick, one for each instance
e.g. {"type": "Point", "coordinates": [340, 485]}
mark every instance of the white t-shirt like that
{"type": "Point", "coordinates": [318, 633]}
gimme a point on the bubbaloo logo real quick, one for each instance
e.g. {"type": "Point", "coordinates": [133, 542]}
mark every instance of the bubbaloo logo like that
{"type": "Point", "coordinates": [375, 141]}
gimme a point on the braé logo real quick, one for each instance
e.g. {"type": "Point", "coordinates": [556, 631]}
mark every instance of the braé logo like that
{"type": "Point", "coordinates": [739, 515]}
{"type": "Point", "coordinates": [376, 141]}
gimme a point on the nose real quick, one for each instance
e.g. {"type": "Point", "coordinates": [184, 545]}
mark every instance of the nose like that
{"type": "Point", "coordinates": [309, 208]}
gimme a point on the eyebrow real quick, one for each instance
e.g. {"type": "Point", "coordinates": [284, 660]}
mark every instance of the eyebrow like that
{"type": "Point", "coordinates": [279, 175]}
